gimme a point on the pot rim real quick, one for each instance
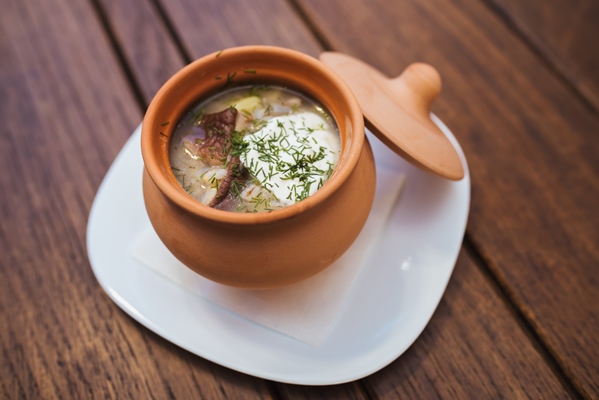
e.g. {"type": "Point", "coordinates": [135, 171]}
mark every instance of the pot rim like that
{"type": "Point", "coordinates": [175, 193]}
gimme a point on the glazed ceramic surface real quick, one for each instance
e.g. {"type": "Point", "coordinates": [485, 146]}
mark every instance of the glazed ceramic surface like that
{"type": "Point", "coordinates": [262, 250]}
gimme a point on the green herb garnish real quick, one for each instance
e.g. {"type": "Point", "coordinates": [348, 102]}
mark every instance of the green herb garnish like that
{"type": "Point", "coordinates": [230, 77]}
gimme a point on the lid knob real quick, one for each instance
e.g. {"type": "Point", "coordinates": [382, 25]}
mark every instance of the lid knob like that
{"type": "Point", "coordinates": [417, 87]}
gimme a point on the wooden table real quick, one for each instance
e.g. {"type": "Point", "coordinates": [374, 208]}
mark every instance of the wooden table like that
{"type": "Point", "coordinates": [520, 317]}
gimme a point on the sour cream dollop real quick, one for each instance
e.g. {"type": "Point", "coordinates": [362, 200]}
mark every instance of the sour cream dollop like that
{"type": "Point", "coordinates": [292, 155]}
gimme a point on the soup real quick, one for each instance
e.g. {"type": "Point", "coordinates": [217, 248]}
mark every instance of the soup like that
{"type": "Point", "coordinates": [254, 149]}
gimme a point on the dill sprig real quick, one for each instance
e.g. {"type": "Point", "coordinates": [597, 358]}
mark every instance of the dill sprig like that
{"type": "Point", "coordinates": [230, 77]}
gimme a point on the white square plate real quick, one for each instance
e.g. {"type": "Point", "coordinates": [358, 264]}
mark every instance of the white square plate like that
{"type": "Point", "coordinates": [392, 299]}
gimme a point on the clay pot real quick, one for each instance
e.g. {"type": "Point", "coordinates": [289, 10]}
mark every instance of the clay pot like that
{"type": "Point", "coordinates": [262, 250]}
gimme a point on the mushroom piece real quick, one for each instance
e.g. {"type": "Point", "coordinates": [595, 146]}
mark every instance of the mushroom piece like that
{"type": "Point", "coordinates": [215, 150]}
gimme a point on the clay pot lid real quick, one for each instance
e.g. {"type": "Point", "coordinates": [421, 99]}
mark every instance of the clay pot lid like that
{"type": "Point", "coordinates": [397, 111]}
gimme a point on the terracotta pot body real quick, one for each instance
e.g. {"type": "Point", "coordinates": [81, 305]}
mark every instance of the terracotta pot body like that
{"type": "Point", "coordinates": [262, 250]}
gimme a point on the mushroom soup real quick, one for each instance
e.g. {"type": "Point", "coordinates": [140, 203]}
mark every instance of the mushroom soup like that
{"type": "Point", "coordinates": [254, 148]}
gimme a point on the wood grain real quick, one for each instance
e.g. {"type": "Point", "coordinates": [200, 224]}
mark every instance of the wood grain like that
{"type": "Point", "coordinates": [532, 148]}
{"type": "Point", "coordinates": [565, 32]}
{"type": "Point", "coordinates": [142, 35]}
{"type": "Point", "coordinates": [349, 391]}
{"type": "Point", "coordinates": [67, 110]}
{"type": "Point", "coordinates": [206, 26]}
{"type": "Point", "coordinates": [68, 107]}
{"type": "Point", "coordinates": [471, 349]}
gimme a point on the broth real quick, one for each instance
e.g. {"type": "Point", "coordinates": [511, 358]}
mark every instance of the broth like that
{"type": "Point", "coordinates": [254, 149]}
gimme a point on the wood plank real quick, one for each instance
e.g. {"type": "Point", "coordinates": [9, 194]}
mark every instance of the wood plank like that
{"type": "Point", "coordinates": [206, 26]}
{"type": "Point", "coordinates": [346, 391]}
{"type": "Point", "coordinates": [67, 110]}
{"type": "Point", "coordinates": [143, 37]}
{"type": "Point", "coordinates": [565, 32]}
{"type": "Point", "coordinates": [532, 148]}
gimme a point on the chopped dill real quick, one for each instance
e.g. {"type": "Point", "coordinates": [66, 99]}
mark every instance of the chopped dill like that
{"type": "Point", "coordinates": [253, 91]}
{"type": "Point", "coordinates": [198, 116]}
{"type": "Point", "coordinates": [230, 77]}
{"type": "Point", "coordinates": [214, 182]}
{"type": "Point", "coordinates": [269, 147]}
